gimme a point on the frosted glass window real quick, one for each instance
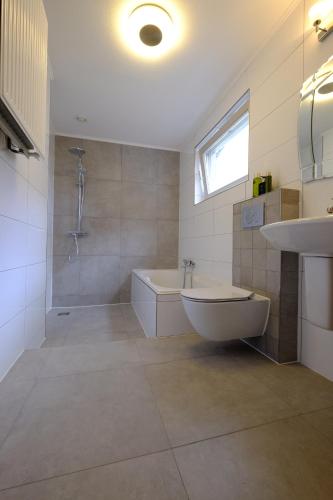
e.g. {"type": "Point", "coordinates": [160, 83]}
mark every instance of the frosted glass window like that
{"type": "Point", "coordinates": [222, 157]}
{"type": "Point", "coordinates": [227, 160]}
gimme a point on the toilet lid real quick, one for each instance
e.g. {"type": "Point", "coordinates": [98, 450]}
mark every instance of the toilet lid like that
{"type": "Point", "coordinates": [225, 293]}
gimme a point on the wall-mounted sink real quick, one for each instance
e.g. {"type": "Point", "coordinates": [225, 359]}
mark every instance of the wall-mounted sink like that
{"type": "Point", "coordinates": [312, 236]}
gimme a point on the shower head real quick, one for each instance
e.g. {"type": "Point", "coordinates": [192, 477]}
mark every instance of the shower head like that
{"type": "Point", "coordinates": [79, 152]}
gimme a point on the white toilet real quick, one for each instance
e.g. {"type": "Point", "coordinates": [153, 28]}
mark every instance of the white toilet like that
{"type": "Point", "coordinates": [226, 312]}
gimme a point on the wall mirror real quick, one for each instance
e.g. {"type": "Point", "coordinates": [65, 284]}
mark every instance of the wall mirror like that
{"type": "Point", "coordinates": [315, 131]}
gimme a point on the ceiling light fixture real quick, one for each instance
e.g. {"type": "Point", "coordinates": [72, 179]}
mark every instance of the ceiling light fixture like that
{"type": "Point", "coordinates": [321, 16]}
{"type": "Point", "coordinates": [150, 30]}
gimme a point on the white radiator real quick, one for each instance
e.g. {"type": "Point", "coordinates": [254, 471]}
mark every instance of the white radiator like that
{"type": "Point", "coordinates": [23, 73]}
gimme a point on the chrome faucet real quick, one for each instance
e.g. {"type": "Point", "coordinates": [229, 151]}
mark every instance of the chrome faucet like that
{"type": "Point", "coordinates": [188, 266]}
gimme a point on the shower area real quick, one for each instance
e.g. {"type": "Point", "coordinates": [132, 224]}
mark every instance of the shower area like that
{"type": "Point", "coordinates": [115, 209]}
{"type": "Point", "coordinates": [77, 233]}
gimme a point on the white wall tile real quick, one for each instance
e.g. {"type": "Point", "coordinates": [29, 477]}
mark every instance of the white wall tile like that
{"type": "Point", "coordinates": [222, 248]}
{"type": "Point", "coordinates": [12, 293]}
{"type": "Point", "coordinates": [11, 342]}
{"type": "Point", "coordinates": [36, 281]}
{"type": "Point", "coordinates": [13, 193]}
{"type": "Point", "coordinates": [36, 245]}
{"type": "Point", "coordinates": [17, 161]}
{"type": "Point", "coordinates": [276, 129]}
{"type": "Point", "coordinates": [13, 243]}
{"type": "Point", "coordinates": [37, 208]}
{"type": "Point", "coordinates": [223, 220]}
{"type": "Point", "coordinates": [229, 197]}
{"type": "Point", "coordinates": [204, 224]}
{"type": "Point", "coordinates": [288, 37]}
{"type": "Point", "coordinates": [282, 162]}
{"type": "Point", "coordinates": [35, 324]}
{"type": "Point", "coordinates": [38, 175]}
{"type": "Point", "coordinates": [278, 87]}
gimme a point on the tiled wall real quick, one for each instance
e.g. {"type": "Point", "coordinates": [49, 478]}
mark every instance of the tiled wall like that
{"type": "Point", "coordinates": [131, 213]}
{"type": "Point", "coordinates": [275, 78]}
{"type": "Point", "coordinates": [259, 267]}
{"type": "Point", "coordinates": [23, 234]}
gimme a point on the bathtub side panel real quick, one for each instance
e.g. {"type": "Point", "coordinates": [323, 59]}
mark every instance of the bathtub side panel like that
{"type": "Point", "coordinates": [143, 301]}
{"type": "Point", "coordinates": [172, 319]}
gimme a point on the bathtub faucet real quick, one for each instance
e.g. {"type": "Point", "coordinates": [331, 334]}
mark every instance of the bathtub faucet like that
{"type": "Point", "coordinates": [188, 266]}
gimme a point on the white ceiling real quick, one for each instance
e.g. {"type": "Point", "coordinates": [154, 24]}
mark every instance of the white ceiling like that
{"type": "Point", "coordinates": [159, 103]}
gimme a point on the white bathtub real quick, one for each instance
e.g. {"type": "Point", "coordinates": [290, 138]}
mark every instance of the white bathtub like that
{"type": "Point", "coordinates": [157, 303]}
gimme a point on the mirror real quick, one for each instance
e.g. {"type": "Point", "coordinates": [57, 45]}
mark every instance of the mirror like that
{"type": "Point", "coordinates": [315, 129]}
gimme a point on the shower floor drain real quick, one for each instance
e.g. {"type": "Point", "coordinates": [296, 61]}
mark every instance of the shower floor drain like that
{"type": "Point", "coordinates": [63, 314]}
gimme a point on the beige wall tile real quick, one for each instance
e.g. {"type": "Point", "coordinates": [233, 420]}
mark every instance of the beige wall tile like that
{"type": "Point", "coordinates": [65, 276]}
{"type": "Point", "coordinates": [138, 164]}
{"type": "Point", "coordinates": [64, 195]}
{"type": "Point", "coordinates": [103, 236]}
{"type": "Point", "coordinates": [138, 200]}
{"type": "Point", "coordinates": [167, 202]}
{"type": "Point", "coordinates": [100, 275]}
{"type": "Point", "coordinates": [167, 238]}
{"type": "Point", "coordinates": [102, 198]}
{"type": "Point", "coordinates": [167, 165]}
{"type": "Point", "coordinates": [102, 160]}
{"type": "Point", "coordinates": [138, 238]}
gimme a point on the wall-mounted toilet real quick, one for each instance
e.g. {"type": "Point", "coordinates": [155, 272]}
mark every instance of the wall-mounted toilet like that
{"type": "Point", "coordinates": [226, 312]}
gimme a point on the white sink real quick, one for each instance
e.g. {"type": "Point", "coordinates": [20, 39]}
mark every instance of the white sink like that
{"type": "Point", "coordinates": [312, 236]}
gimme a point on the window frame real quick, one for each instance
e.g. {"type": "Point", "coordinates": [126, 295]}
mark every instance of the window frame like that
{"type": "Point", "coordinates": [240, 108]}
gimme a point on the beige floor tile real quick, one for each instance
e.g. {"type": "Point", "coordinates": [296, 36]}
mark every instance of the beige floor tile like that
{"type": "Point", "coordinates": [54, 341]}
{"type": "Point", "coordinates": [136, 334]}
{"type": "Point", "coordinates": [104, 319]}
{"type": "Point", "coordinates": [131, 321]}
{"type": "Point", "coordinates": [322, 421]}
{"type": "Point", "coordinates": [29, 365]}
{"type": "Point", "coordinates": [164, 349]}
{"type": "Point", "coordinates": [93, 337]}
{"type": "Point", "coordinates": [12, 396]}
{"type": "Point", "coordinates": [82, 421]}
{"type": "Point", "coordinates": [154, 477]}
{"type": "Point", "coordinates": [86, 358]}
{"type": "Point", "coordinates": [300, 387]}
{"type": "Point", "coordinates": [280, 461]}
{"type": "Point", "coordinates": [205, 397]}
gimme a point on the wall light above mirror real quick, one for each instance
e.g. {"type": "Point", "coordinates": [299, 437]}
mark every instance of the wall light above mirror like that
{"type": "Point", "coordinates": [316, 125]}
{"type": "Point", "coordinates": [321, 17]}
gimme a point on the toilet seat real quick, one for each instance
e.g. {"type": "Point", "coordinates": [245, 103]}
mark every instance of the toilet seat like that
{"type": "Point", "coordinates": [225, 293]}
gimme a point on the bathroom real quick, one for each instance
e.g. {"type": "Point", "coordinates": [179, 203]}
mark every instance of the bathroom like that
{"type": "Point", "coordinates": [163, 333]}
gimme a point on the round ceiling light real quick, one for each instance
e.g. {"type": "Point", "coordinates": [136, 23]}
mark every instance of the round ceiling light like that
{"type": "Point", "coordinates": [151, 31]}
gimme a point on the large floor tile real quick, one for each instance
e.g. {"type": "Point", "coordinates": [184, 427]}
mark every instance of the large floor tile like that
{"type": "Point", "coordinates": [86, 358]}
{"type": "Point", "coordinates": [12, 397]}
{"type": "Point", "coordinates": [164, 349]}
{"type": "Point", "coordinates": [282, 460]}
{"type": "Point", "coordinates": [29, 365]}
{"type": "Point", "coordinates": [205, 397]}
{"type": "Point", "coordinates": [322, 421]}
{"type": "Point", "coordinates": [98, 337]}
{"type": "Point", "coordinates": [77, 422]}
{"type": "Point", "coordinates": [102, 319]}
{"type": "Point", "coordinates": [153, 477]}
{"type": "Point", "coordinates": [300, 387]}
{"type": "Point", "coordinates": [54, 341]}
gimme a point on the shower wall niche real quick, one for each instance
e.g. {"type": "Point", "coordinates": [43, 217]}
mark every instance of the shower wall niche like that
{"type": "Point", "coordinates": [130, 215]}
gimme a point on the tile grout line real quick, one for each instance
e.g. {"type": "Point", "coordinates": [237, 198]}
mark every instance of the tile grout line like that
{"type": "Point", "coordinates": [2, 443]}
{"type": "Point", "coordinates": [163, 450]}
{"type": "Point", "coordinates": [165, 430]}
